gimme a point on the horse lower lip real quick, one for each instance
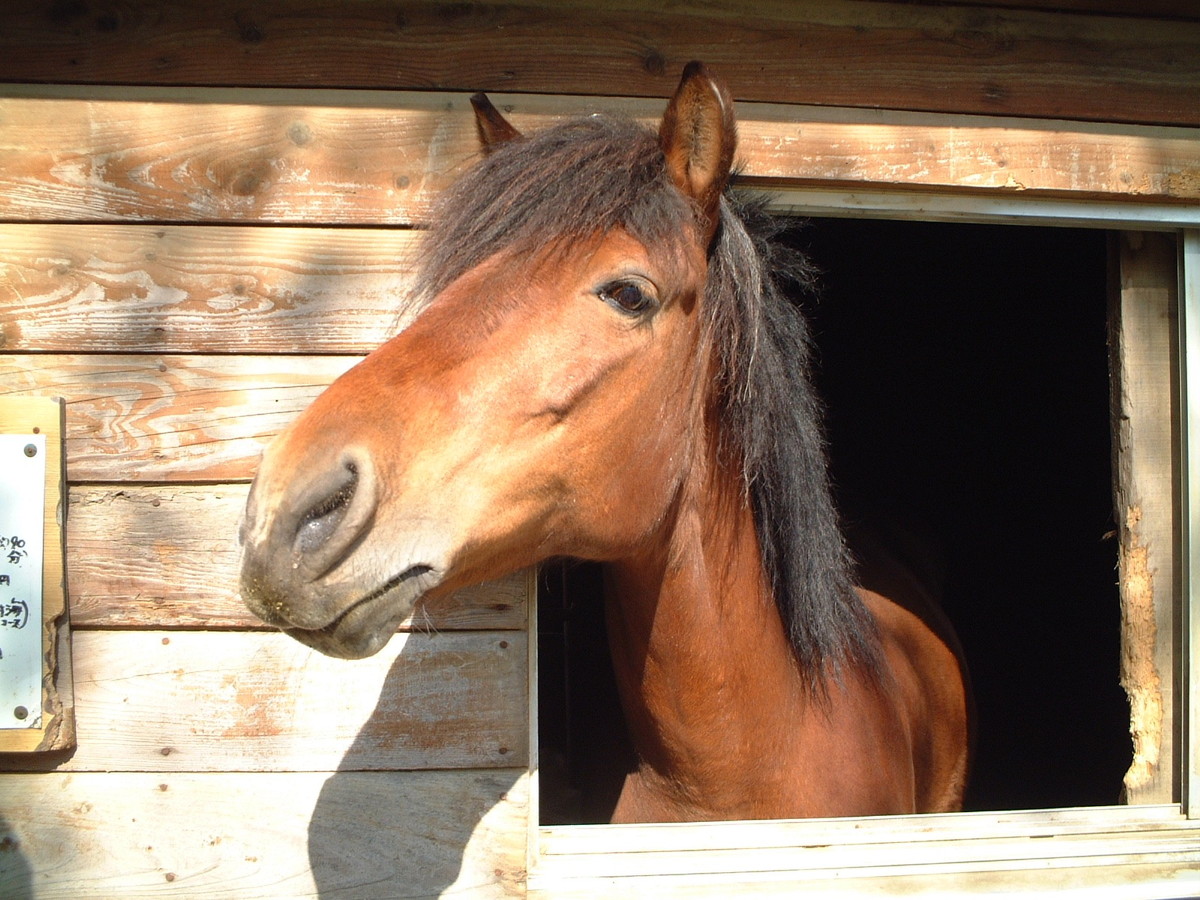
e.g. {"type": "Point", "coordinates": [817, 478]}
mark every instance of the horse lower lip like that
{"type": "Point", "coordinates": [409, 574]}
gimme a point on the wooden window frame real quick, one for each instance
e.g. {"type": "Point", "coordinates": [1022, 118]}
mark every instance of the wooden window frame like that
{"type": "Point", "coordinates": [1145, 850]}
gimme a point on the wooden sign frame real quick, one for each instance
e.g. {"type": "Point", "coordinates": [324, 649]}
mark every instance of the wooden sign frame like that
{"type": "Point", "coordinates": [54, 729]}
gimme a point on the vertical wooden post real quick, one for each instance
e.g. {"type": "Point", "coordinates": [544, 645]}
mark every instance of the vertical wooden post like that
{"type": "Point", "coordinates": [1189, 313]}
{"type": "Point", "coordinates": [1143, 344]}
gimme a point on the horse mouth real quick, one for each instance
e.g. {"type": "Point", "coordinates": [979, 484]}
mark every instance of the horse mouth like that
{"type": "Point", "coordinates": [367, 624]}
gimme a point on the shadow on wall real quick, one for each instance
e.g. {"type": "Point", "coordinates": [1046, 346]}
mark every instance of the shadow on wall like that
{"type": "Point", "coordinates": [16, 876]}
{"type": "Point", "coordinates": [407, 834]}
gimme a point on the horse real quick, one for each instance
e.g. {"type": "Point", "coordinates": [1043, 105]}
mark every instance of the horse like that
{"type": "Point", "coordinates": [605, 367]}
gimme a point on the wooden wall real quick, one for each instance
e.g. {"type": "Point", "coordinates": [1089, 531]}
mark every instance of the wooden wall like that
{"type": "Point", "coordinates": [175, 184]}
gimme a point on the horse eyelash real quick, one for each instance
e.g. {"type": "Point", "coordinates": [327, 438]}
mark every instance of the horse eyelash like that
{"type": "Point", "coordinates": [605, 292]}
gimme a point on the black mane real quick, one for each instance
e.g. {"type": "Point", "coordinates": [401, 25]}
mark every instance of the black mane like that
{"type": "Point", "coordinates": [595, 174]}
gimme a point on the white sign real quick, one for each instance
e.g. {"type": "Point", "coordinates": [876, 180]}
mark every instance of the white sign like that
{"type": "Point", "coordinates": [22, 513]}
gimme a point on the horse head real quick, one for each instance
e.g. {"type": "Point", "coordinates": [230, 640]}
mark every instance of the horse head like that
{"type": "Point", "coordinates": [546, 401]}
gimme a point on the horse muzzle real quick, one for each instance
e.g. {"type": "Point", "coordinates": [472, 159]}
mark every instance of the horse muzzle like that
{"type": "Point", "coordinates": [307, 567]}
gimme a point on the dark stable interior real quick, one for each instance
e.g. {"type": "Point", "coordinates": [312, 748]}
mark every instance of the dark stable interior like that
{"type": "Point", "coordinates": [964, 370]}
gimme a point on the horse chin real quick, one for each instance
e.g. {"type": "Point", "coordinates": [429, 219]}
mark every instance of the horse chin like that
{"type": "Point", "coordinates": [332, 642]}
{"type": "Point", "coordinates": [366, 626]}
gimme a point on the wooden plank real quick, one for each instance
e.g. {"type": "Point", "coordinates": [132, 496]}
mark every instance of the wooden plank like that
{"type": "Point", "coordinates": [155, 418]}
{"type": "Point", "coordinates": [236, 160]}
{"type": "Point", "coordinates": [285, 835]}
{"type": "Point", "coordinates": [1134, 877]}
{"type": "Point", "coordinates": [181, 289]}
{"type": "Point", "coordinates": [864, 833]}
{"type": "Point", "coordinates": [999, 157]}
{"type": "Point", "coordinates": [1143, 340]}
{"type": "Point", "coordinates": [290, 160]}
{"type": "Point", "coordinates": [835, 52]}
{"type": "Point", "coordinates": [1189, 625]}
{"type": "Point", "coordinates": [1173, 849]}
{"type": "Point", "coordinates": [877, 856]}
{"type": "Point", "coordinates": [247, 701]}
{"type": "Point", "coordinates": [167, 556]}
{"type": "Point", "coordinates": [1144, 9]}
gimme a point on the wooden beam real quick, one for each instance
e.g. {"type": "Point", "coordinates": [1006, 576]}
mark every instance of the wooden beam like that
{"type": "Point", "coordinates": [183, 289]}
{"type": "Point", "coordinates": [254, 835]}
{"type": "Point", "coordinates": [1144, 9]}
{"type": "Point", "coordinates": [1189, 313]}
{"type": "Point", "coordinates": [286, 159]}
{"type": "Point", "coordinates": [941, 58]}
{"type": "Point", "coordinates": [1146, 852]}
{"type": "Point", "coordinates": [167, 556]}
{"type": "Point", "coordinates": [1143, 340]}
{"type": "Point", "coordinates": [154, 701]}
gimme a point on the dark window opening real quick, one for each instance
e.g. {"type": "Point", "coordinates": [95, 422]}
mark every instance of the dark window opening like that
{"type": "Point", "coordinates": [965, 374]}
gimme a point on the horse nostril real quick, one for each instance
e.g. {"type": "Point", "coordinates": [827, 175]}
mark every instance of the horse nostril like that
{"type": "Point", "coordinates": [336, 511]}
{"type": "Point", "coordinates": [323, 520]}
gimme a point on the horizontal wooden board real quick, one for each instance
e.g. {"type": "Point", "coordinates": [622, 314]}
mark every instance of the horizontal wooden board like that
{"type": "Point", "coordinates": [233, 161]}
{"type": "Point", "coordinates": [1166, 9]}
{"type": "Point", "coordinates": [157, 418]}
{"type": "Point", "coordinates": [998, 157]}
{"type": "Point", "coordinates": [571, 841]}
{"type": "Point", "coordinates": [172, 289]}
{"type": "Point", "coordinates": [167, 556]}
{"type": "Point", "coordinates": [1116, 876]}
{"type": "Point", "coordinates": [152, 701]}
{"type": "Point", "coordinates": [835, 52]}
{"type": "Point", "coordinates": [1144, 852]}
{"type": "Point", "coordinates": [277, 836]}
{"type": "Point", "coordinates": [367, 160]}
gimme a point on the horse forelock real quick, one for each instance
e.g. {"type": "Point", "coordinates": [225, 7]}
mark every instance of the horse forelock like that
{"type": "Point", "coordinates": [540, 195]}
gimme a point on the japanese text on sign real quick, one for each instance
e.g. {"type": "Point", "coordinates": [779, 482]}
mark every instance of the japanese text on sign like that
{"type": "Point", "coordinates": [22, 497]}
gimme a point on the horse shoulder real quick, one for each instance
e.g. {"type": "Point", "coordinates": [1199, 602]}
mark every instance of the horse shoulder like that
{"type": "Point", "coordinates": [928, 683]}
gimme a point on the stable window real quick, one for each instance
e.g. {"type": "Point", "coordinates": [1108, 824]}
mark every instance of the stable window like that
{"type": "Point", "coordinates": [978, 358]}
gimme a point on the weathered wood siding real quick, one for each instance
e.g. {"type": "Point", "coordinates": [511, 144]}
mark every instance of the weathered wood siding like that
{"type": "Point", "coordinates": [214, 755]}
{"type": "Point", "coordinates": [936, 57]}
{"type": "Point", "coordinates": [175, 184]}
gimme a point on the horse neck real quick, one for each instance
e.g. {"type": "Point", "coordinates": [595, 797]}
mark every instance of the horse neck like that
{"type": "Point", "coordinates": [701, 658]}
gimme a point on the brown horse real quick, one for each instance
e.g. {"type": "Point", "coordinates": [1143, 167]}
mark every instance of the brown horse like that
{"type": "Point", "coordinates": [605, 368]}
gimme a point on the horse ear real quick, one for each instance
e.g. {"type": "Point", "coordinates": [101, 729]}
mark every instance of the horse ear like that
{"type": "Point", "coordinates": [494, 129]}
{"type": "Point", "coordinates": [698, 135]}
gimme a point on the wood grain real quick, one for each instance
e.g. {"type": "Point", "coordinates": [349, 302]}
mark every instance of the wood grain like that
{"type": "Point", "coordinates": [1061, 853]}
{"type": "Point", "coordinates": [811, 147]}
{"type": "Point", "coordinates": [184, 289]}
{"type": "Point", "coordinates": [1143, 336]}
{"type": "Point", "coordinates": [224, 160]}
{"type": "Point", "coordinates": [152, 701]}
{"type": "Point", "coordinates": [267, 836]}
{"type": "Point", "coordinates": [834, 52]}
{"type": "Point", "coordinates": [233, 161]}
{"type": "Point", "coordinates": [164, 418]}
{"type": "Point", "coordinates": [167, 556]}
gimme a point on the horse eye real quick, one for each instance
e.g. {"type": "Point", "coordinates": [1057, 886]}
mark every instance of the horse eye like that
{"type": "Point", "coordinates": [627, 297]}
